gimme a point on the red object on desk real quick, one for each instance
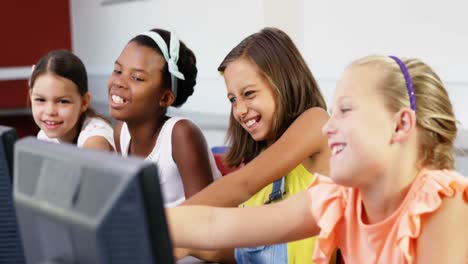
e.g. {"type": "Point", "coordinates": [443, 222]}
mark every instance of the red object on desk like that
{"type": "Point", "coordinates": [219, 154]}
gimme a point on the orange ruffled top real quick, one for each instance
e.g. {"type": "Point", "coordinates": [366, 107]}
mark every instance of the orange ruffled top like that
{"type": "Point", "coordinates": [337, 210]}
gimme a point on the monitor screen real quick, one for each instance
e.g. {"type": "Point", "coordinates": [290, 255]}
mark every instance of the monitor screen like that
{"type": "Point", "coordinates": [78, 205]}
{"type": "Point", "coordinates": [11, 250]}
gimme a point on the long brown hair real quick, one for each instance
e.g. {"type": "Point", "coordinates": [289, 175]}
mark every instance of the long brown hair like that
{"type": "Point", "coordinates": [280, 62]}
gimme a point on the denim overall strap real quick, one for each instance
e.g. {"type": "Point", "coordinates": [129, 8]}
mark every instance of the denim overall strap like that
{"type": "Point", "coordinates": [277, 190]}
{"type": "Point", "coordinates": [271, 254]}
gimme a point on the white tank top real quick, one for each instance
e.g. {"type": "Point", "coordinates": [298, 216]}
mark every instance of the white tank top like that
{"type": "Point", "coordinates": [169, 177]}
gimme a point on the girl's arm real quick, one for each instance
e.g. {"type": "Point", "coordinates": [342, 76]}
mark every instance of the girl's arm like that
{"type": "Point", "coordinates": [302, 139]}
{"type": "Point", "coordinates": [207, 227]}
{"type": "Point", "coordinates": [98, 142]}
{"type": "Point", "coordinates": [444, 237]}
{"type": "Point", "coordinates": [190, 153]}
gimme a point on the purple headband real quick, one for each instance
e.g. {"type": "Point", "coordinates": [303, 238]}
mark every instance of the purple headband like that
{"type": "Point", "coordinates": [409, 83]}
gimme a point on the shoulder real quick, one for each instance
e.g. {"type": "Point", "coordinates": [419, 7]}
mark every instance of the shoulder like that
{"type": "Point", "coordinates": [437, 211]}
{"type": "Point", "coordinates": [455, 205]}
{"type": "Point", "coordinates": [441, 184]}
{"type": "Point", "coordinates": [184, 129]}
{"type": "Point", "coordinates": [434, 190]}
{"type": "Point", "coordinates": [446, 225]}
{"type": "Point", "coordinates": [443, 191]}
{"type": "Point", "coordinates": [187, 138]}
{"type": "Point", "coordinates": [95, 123]}
{"type": "Point", "coordinates": [98, 142]}
{"type": "Point", "coordinates": [96, 133]}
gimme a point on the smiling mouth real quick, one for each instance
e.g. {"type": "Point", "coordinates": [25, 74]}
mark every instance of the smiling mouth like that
{"type": "Point", "coordinates": [336, 149]}
{"type": "Point", "coordinates": [251, 122]}
{"type": "Point", "coordinates": [51, 124]}
{"type": "Point", "coordinates": [118, 100]}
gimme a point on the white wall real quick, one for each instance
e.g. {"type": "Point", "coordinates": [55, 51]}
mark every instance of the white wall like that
{"type": "Point", "coordinates": [209, 28]}
{"type": "Point", "coordinates": [436, 31]}
{"type": "Point", "coordinates": [330, 34]}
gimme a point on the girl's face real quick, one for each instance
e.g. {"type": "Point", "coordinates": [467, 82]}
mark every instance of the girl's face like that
{"type": "Point", "coordinates": [252, 98]}
{"type": "Point", "coordinates": [57, 105]}
{"type": "Point", "coordinates": [135, 91]}
{"type": "Point", "coordinates": [360, 128]}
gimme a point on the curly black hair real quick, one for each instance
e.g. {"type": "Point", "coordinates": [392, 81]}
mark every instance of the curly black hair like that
{"type": "Point", "coordinates": [186, 63]}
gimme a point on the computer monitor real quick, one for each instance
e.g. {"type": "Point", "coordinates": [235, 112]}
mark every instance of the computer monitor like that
{"type": "Point", "coordinates": [86, 206]}
{"type": "Point", "coordinates": [11, 250]}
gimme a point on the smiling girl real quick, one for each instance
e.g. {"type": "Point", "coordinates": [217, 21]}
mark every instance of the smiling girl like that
{"type": "Point", "coordinates": [154, 71]}
{"type": "Point", "coordinates": [277, 111]}
{"type": "Point", "coordinates": [392, 195]}
{"type": "Point", "coordinates": [60, 103]}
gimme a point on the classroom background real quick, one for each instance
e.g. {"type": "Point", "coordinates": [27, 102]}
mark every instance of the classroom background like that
{"type": "Point", "coordinates": [330, 34]}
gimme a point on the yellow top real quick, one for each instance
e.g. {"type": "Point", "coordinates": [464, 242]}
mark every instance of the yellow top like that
{"type": "Point", "coordinates": [297, 180]}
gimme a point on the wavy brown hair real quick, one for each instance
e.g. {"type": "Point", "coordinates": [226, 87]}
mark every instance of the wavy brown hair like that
{"type": "Point", "coordinates": [435, 119]}
{"type": "Point", "coordinates": [295, 88]}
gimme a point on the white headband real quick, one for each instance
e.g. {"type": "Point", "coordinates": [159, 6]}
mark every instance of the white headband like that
{"type": "Point", "coordinates": [171, 57]}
